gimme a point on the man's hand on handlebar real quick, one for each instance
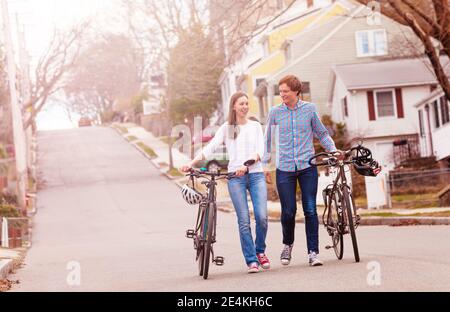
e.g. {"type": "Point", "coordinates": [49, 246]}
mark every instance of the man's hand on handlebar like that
{"type": "Point", "coordinates": [242, 171]}
{"type": "Point", "coordinates": [340, 155]}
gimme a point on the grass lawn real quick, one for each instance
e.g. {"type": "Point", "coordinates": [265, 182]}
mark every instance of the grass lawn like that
{"type": "Point", "coordinates": [148, 150]}
{"type": "Point", "coordinates": [406, 201]}
{"type": "Point", "coordinates": [122, 130]}
{"type": "Point", "coordinates": [132, 138]}
{"type": "Point", "coordinates": [175, 173]}
{"type": "Point", "coordinates": [426, 214]}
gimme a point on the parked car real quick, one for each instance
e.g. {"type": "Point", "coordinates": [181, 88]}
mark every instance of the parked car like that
{"type": "Point", "coordinates": [84, 122]}
{"type": "Point", "coordinates": [218, 160]}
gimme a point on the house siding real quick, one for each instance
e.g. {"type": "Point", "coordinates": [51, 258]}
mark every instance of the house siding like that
{"type": "Point", "coordinates": [339, 49]}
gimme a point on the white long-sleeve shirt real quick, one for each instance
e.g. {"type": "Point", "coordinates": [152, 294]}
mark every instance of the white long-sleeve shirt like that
{"type": "Point", "coordinates": [248, 145]}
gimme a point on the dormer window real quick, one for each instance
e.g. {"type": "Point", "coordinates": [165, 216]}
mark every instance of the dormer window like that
{"type": "Point", "coordinates": [265, 46]}
{"type": "Point", "coordinates": [371, 42]}
{"type": "Point", "coordinates": [287, 48]}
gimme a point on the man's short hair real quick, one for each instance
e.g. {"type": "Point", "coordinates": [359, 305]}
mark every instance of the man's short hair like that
{"type": "Point", "coordinates": [293, 83]}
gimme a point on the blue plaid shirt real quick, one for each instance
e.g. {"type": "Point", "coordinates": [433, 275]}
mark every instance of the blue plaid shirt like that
{"type": "Point", "coordinates": [293, 131]}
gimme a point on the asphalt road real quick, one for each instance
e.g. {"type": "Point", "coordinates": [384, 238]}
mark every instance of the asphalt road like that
{"type": "Point", "coordinates": [109, 221]}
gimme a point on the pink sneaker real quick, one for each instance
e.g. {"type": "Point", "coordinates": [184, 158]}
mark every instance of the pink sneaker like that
{"type": "Point", "coordinates": [264, 261]}
{"type": "Point", "coordinates": [253, 267]}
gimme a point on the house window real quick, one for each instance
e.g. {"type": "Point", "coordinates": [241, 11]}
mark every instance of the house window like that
{"type": "Point", "coordinates": [258, 82]}
{"type": "Point", "coordinates": [436, 114]}
{"type": "Point", "coordinates": [288, 52]}
{"type": "Point", "coordinates": [306, 91]}
{"type": "Point", "coordinates": [265, 47]}
{"type": "Point", "coordinates": [444, 111]}
{"type": "Point", "coordinates": [276, 90]}
{"type": "Point", "coordinates": [421, 125]}
{"type": "Point", "coordinates": [385, 103]}
{"type": "Point", "coordinates": [371, 42]}
{"type": "Point", "coordinates": [344, 107]}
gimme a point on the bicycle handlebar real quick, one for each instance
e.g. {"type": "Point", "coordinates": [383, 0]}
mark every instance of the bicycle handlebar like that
{"type": "Point", "coordinates": [205, 174]}
{"type": "Point", "coordinates": [331, 159]}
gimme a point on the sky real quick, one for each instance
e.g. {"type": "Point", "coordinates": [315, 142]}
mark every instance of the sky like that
{"type": "Point", "coordinates": [38, 19]}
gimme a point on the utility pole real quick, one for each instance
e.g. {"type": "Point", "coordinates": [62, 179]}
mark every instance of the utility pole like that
{"type": "Point", "coordinates": [25, 87]}
{"type": "Point", "coordinates": [17, 122]}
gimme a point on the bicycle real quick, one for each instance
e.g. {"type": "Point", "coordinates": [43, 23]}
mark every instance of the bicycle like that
{"type": "Point", "coordinates": [340, 216]}
{"type": "Point", "coordinates": [204, 235]}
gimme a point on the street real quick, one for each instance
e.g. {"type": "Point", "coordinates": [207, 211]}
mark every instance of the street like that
{"type": "Point", "coordinates": [107, 215]}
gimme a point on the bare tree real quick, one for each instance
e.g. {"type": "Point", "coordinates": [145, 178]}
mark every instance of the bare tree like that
{"type": "Point", "coordinates": [430, 21]}
{"type": "Point", "coordinates": [57, 61]}
{"type": "Point", "coordinates": [106, 72]}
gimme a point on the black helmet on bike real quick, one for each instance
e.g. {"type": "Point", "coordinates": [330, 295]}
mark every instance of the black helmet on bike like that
{"type": "Point", "coordinates": [370, 169]}
{"type": "Point", "coordinates": [191, 195]}
{"type": "Point", "coordinates": [364, 164]}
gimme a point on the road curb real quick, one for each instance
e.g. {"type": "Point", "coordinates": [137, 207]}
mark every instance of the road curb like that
{"type": "Point", "coordinates": [157, 166]}
{"type": "Point", "coordinates": [404, 221]}
{"type": "Point", "coordinates": [388, 221]}
{"type": "Point", "coordinates": [151, 159]}
{"type": "Point", "coordinates": [6, 267]}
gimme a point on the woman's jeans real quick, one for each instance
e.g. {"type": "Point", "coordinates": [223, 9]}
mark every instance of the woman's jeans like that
{"type": "Point", "coordinates": [237, 187]}
{"type": "Point", "coordinates": [287, 189]}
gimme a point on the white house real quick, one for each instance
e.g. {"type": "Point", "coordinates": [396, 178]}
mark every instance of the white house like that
{"type": "Point", "coordinates": [377, 102]}
{"type": "Point", "coordinates": [345, 35]}
{"type": "Point", "coordinates": [434, 127]}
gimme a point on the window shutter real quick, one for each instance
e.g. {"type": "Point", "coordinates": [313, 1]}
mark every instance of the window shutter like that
{"type": "Point", "coordinates": [399, 100]}
{"type": "Point", "coordinates": [371, 102]}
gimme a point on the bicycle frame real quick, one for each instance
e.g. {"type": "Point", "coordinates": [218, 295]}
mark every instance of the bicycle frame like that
{"type": "Point", "coordinates": [204, 234]}
{"type": "Point", "coordinates": [336, 189]}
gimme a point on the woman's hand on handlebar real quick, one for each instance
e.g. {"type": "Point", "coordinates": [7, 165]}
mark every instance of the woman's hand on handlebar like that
{"type": "Point", "coordinates": [186, 168]}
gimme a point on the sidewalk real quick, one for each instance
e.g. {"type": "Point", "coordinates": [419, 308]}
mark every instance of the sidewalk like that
{"type": "Point", "coordinates": [391, 217]}
{"type": "Point", "coordinates": [161, 148]}
{"type": "Point", "coordinates": [10, 259]}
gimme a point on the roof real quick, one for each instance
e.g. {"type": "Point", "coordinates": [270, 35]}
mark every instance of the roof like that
{"type": "Point", "coordinates": [435, 94]}
{"type": "Point", "coordinates": [391, 73]}
{"type": "Point", "coordinates": [307, 42]}
{"type": "Point", "coordinates": [302, 43]}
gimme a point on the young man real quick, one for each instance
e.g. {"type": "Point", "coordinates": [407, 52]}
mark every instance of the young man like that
{"type": "Point", "coordinates": [295, 123]}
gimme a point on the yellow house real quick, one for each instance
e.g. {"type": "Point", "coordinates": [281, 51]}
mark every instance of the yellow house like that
{"type": "Point", "coordinates": [253, 81]}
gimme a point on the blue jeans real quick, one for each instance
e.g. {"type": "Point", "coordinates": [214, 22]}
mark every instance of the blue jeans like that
{"type": "Point", "coordinates": [237, 187]}
{"type": "Point", "coordinates": [287, 189]}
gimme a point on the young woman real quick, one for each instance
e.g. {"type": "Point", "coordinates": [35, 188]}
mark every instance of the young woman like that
{"type": "Point", "coordinates": [244, 140]}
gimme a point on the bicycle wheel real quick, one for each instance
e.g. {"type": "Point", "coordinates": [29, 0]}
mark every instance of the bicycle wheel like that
{"type": "Point", "coordinates": [337, 237]}
{"type": "Point", "coordinates": [200, 258]}
{"type": "Point", "coordinates": [201, 244]}
{"type": "Point", "coordinates": [348, 209]}
{"type": "Point", "coordinates": [209, 238]}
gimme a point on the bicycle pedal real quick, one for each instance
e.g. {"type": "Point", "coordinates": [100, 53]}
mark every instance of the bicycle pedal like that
{"type": "Point", "coordinates": [219, 261]}
{"type": "Point", "coordinates": [328, 247]}
{"type": "Point", "coordinates": [190, 233]}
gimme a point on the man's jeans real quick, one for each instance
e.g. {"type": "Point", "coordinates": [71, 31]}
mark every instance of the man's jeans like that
{"type": "Point", "coordinates": [237, 187]}
{"type": "Point", "coordinates": [287, 189]}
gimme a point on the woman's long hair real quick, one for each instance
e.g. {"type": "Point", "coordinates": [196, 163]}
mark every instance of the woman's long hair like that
{"type": "Point", "coordinates": [233, 127]}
